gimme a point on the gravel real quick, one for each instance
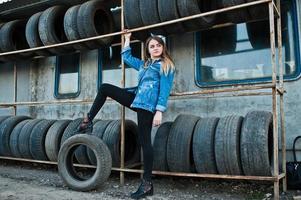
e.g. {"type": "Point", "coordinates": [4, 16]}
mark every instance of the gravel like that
{"type": "Point", "coordinates": [31, 181]}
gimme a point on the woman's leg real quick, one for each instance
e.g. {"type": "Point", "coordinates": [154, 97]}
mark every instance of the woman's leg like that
{"type": "Point", "coordinates": [107, 90]}
{"type": "Point", "coordinates": [145, 121]}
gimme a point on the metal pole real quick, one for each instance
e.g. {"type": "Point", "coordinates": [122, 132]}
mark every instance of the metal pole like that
{"type": "Point", "coordinates": [141, 152]}
{"type": "Point", "coordinates": [281, 87]}
{"type": "Point", "coordinates": [274, 101]}
{"type": "Point", "coordinates": [122, 142]}
{"type": "Point", "coordinates": [15, 88]}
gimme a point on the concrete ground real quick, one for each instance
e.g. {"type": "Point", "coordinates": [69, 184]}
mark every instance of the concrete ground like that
{"type": "Point", "coordinates": [30, 181]}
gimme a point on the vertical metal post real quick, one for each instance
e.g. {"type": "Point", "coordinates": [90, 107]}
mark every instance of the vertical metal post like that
{"type": "Point", "coordinates": [15, 87]}
{"type": "Point", "coordinates": [142, 57]}
{"type": "Point", "coordinates": [142, 50]}
{"type": "Point", "coordinates": [274, 100]}
{"type": "Point", "coordinates": [122, 138]}
{"type": "Point", "coordinates": [281, 87]}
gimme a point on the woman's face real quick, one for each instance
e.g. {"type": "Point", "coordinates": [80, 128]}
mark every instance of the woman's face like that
{"type": "Point", "coordinates": [155, 49]}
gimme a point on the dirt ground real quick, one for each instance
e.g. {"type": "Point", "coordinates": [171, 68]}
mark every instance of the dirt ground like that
{"type": "Point", "coordinates": [28, 181]}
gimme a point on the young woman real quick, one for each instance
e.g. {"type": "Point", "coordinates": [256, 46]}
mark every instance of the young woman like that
{"type": "Point", "coordinates": [148, 99]}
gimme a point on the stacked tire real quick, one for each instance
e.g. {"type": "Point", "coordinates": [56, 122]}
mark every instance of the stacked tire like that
{"type": "Point", "coordinates": [28, 138]}
{"type": "Point", "coordinates": [60, 24]}
{"type": "Point", "coordinates": [7, 124]}
{"type": "Point", "coordinates": [12, 38]}
{"type": "Point", "coordinates": [88, 20]}
{"type": "Point", "coordinates": [235, 16]}
{"type": "Point", "coordinates": [109, 132]}
{"type": "Point", "coordinates": [51, 29]}
{"type": "Point", "coordinates": [94, 19]}
{"type": "Point", "coordinates": [41, 139]}
{"type": "Point", "coordinates": [56, 25]}
{"type": "Point", "coordinates": [257, 12]}
{"type": "Point", "coordinates": [231, 145]}
{"type": "Point", "coordinates": [144, 12]}
{"type": "Point", "coordinates": [59, 140]}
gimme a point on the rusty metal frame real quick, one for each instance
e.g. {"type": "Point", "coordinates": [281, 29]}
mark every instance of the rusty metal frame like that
{"type": "Point", "coordinates": [15, 86]}
{"type": "Point", "coordinates": [181, 174]}
{"type": "Point", "coordinates": [122, 137]}
{"type": "Point", "coordinates": [276, 86]}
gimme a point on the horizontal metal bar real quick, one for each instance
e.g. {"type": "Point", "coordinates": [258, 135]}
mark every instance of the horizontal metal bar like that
{"type": "Point", "coordinates": [198, 96]}
{"type": "Point", "coordinates": [8, 105]}
{"type": "Point", "coordinates": [235, 88]}
{"type": "Point", "coordinates": [77, 51]}
{"type": "Point", "coordinates": [28, 160]}
{"type": "Point", "coordinates": [201, 92]}
{"type": "Point", "coordinates": [119, 44]}
{"type": "Point", "coordinates": [47, 102]}
{"type": "Point", "coordinates": [55, 163]}
{"type": "Point", "coordinates": [140, 28]}
{"type": "Point", "coordinates": [182, 174]}
{"type": "Point", "coordinates": [213, 176]}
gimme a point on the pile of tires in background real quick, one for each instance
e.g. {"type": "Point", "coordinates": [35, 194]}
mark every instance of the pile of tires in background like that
{"type": "Point", "coordinates": [146, 12]}
{"type": "Point", "coordinates": [59, 23]}
{"type": "Point", "coordinates": [41, 139]}
{"type": "Point", "coordinates": [231, 145]}
{"type": "Point", "coordinates": [58, 140]}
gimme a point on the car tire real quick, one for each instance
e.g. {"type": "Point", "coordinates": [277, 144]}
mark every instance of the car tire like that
{"type": "Point", "coordinates": [66, 168]}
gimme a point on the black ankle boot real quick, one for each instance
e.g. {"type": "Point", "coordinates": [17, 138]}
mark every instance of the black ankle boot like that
{"type": "Point", "coordinates": [85, 127]}
{"type": "Point", "coordinates": [145, 189]}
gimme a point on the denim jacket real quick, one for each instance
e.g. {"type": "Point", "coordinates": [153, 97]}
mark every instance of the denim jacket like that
{"type": "Point", "coordinates": [153, 87]}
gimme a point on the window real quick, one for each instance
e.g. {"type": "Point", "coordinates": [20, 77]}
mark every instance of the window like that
{"type": "Point", "coordinates": [67, 76]}
{"type": "Point", "coordinates": [241, 53]}
{"type": "Point", "coordinates": [110, 65]}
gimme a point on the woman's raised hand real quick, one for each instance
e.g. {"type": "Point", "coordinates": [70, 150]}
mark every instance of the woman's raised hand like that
{"type": "Point", "coordinates": [127, 35]}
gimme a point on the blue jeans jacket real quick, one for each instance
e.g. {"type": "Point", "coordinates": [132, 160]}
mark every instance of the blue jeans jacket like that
{"type": "Point", "coordinates": [153, 87]}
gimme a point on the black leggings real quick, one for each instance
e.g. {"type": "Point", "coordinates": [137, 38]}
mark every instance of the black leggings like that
{"type": "Point", "coordinates": [145, 120]}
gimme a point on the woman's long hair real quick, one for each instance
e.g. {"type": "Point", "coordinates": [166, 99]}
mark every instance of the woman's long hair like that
{"type": "Point", "coordinates": [167, 63]}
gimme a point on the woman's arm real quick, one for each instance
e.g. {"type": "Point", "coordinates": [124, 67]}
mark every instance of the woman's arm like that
{"type": "Point", "coordinates": [166, 82]}
{"type": "Point", "coordinates": [127, 54]}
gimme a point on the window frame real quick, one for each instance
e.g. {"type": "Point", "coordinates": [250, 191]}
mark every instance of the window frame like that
{"type": "Point", "coordinates": [291, 77]}
{"type": "Point", "coordinates": [57, 95]}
